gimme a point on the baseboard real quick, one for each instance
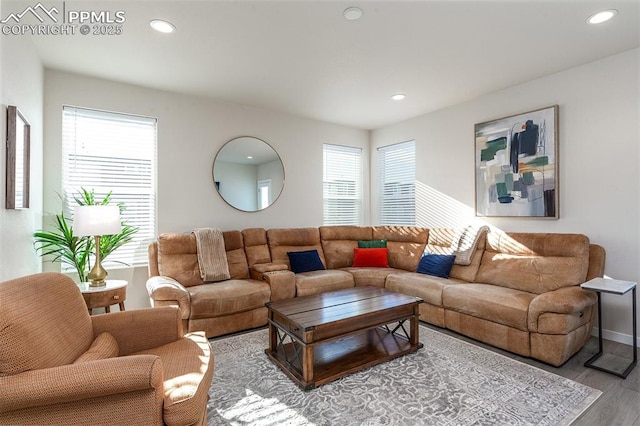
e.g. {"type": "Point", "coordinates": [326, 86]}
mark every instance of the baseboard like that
{"type": "Point", "coordinates": [614, 336]}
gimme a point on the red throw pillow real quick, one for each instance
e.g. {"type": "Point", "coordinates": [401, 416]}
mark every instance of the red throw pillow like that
{"type": "Point", "coordinates": [371, 257]}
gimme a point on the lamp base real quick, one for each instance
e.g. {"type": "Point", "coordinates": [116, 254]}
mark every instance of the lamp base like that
{"type": "Point", "coordinates": [97, 274]}
{"type": "Point", "coordinates": [100, 283]}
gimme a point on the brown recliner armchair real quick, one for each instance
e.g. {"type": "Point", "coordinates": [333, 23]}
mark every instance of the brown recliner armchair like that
{"type": "Point", "coordinates": [58, 365]}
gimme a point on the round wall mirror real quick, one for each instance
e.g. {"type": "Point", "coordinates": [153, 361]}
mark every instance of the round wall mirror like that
{"type": "Point", "coordinates": [248, 174]}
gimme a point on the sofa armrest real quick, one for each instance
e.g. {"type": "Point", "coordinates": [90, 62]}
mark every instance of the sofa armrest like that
{"type": "Point", "coordinates": [269, 267]}
{"type": "Point", "coordinates": [281, 280]}
{"type": "Point", "coordinates": [165, 291]}
{"type": "Point", "coordinates": [566, 300]}
{"type": "Point", "coordinates": [76, 382]}
{"type": "Point", "coordinates": [140, 329]}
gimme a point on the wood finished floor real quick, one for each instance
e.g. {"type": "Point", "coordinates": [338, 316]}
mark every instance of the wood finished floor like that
{"type": "Point", "coordinates": [619, 403]}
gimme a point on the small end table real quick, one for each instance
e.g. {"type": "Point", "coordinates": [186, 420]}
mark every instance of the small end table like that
{"type": "Point", "coordinates": [113, 292]}
{"type": "Point", "coordinates": [619, 287]}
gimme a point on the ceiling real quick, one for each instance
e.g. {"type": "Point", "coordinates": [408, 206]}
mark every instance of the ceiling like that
{"type": "Point", "coordinates": [304, 58]}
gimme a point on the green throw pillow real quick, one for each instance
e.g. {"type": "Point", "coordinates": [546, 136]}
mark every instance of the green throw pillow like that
{"type": "Point", "coordinates": [372, 244]}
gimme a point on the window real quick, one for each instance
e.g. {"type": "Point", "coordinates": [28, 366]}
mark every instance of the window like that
{"type": "Point", "coordinates": [396, 183]}
{"type": "Point", "coordinates": [342, 185]}
{"type": "Point", "coordinates": [104, 151]}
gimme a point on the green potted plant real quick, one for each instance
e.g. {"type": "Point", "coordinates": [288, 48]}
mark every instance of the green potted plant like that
{"type": "Point", "coordinates": [60, 245]}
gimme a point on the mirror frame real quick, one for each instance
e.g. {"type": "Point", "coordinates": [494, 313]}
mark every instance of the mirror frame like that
{"type": "Point", "coordinates": [217, 183]}
{"type": "Point", "coordinates": [15, 119]}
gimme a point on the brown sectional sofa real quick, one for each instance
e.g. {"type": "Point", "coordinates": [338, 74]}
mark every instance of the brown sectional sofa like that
{"type": "Point", "coordinates": [519, 292]}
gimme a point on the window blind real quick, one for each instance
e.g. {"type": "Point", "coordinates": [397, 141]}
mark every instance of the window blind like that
{"type": "Point", "coordinates": [342, 185]}
{"type": "Point", "coordinates": [396, 184]}
{"type": "Point", "coordinates": [105, 151]}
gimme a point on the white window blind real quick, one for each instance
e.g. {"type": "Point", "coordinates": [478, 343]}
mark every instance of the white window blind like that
{"type": "Point", "coordinates": [396, 183]}
{"type": "Point", "coordinates": [342, 185]}
{"type": "Point", "coordinates": [105, 151]}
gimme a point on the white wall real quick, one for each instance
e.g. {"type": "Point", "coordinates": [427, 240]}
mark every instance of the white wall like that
{"type": "Point", "coordinates": [190, 132]}
{"type": "Point", "coordinates": [21, 77]}
{"type": "Point", "coordinates": [599, 184]}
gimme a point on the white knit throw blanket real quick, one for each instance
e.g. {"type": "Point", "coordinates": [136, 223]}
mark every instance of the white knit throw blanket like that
{"type": "Point", "coordinates": [212, 257]}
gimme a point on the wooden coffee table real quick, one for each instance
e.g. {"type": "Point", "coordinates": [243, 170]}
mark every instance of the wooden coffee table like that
{"type": "Point", "coordinates": [319, 338]}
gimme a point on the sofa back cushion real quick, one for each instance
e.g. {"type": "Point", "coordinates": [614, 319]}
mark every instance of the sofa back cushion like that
{"type": "Point", "coordinates": [284, 240]}
{"type": "Point", "coordinates": [236, 257]}
{"type": "Point", "coordinates": [44, 322]}
{"type": "Point", "coordinates": [534, 262]}
{"type": "Point", "coordinates": [256, 246]}
{"type": "Point", "coordinates": [338, 243]}
{"type": "Point", "coordinates": [440, 240]}
{"type": "Point", "coordinates": [178, 257]}
{"type": "Point", "coordinates": [405, 243]}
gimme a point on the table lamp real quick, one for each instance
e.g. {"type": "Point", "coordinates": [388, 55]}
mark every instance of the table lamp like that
{"type": "Point", "coordinates": [96, 221]}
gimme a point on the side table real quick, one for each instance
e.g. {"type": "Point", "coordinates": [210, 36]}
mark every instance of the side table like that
{"type": "Point", "coordinates": [114, 292]}
{"type": "Point", "coordinates": [619, 287]}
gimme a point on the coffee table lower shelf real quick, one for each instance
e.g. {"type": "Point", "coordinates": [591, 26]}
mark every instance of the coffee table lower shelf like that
{"type": "Point", "coordinates": [335, 358]}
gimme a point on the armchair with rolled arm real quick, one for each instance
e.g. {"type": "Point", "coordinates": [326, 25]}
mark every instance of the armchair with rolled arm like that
{"type": "Point", "coordinates": [58, 365]}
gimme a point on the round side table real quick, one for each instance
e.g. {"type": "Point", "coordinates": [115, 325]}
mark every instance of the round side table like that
{"type": "Point", "coordinates": [114, 292]}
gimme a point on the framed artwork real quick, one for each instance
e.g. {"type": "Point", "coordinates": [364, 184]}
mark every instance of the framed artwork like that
{"type": "Point", "coordinates": [516, 160]}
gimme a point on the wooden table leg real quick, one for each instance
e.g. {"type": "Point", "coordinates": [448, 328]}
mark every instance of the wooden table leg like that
{"type": "Point", "coordinates": [307, 364]}
{"type": "Point", "coordinates": [121, 304]}
{"type": "Point", "coordinates": [414, 334]}
{"type": "Point", "coordinates": [273, 339]}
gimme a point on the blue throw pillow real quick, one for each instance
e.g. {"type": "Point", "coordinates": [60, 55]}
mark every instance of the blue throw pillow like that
{"type": "Point", "coordinates": [305, 261]}
{"type": "Point", "coordinates": [438, 265]}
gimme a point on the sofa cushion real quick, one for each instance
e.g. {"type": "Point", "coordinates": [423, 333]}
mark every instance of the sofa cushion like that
{"type": "Point", "coordinates": [489, 302]}
{"type": "Point", "coordinates": [442, 240]}
{"type": "Point", "coordinates": [316, 282]}
{"type": "Point", "coordinates": [178, 258]}
{"type": "Point", "coordinates": [405, 243]}
{"type": "Point", "coordinates": [305, 261]}
{"type": "Point", "coordinates": [534, 262]}
{"type": "Point", "coordinates": [227, 297]}
{"type": "Point", "coordinates": [256, 246]}
{"type": "Point", "coordinates": [49, 330]}
{"type": "Point", "coordinates": [283, 240]}
{"type": "Point", "coordinates": [371, 257]}
{"type": "Point", "coordinates": [376, 277]}
{"type": "Point", "coordinates": [187, 366]}
{"type": "Point", "coordinates": [427, 287]}
{"type": "Point", "coordinates": [372, 243]}
{"type": "Point", "coordinates": [236, 257]}
{"type": "Point", "coordinates": [438, 265]}
{"type": "Point", "coordinates": [104, 346]}
{"type": "Point", "coordinates": [338, 243]}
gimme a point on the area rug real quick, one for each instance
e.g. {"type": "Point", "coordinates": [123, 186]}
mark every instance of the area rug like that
{"type": "Point", "coordinates": [448, 382]}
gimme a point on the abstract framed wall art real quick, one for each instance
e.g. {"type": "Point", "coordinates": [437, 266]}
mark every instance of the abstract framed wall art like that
{"type": "Point", "coordinates": [516, 160]}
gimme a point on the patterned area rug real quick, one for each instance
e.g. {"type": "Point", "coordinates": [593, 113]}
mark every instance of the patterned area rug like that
{"type": "Point", "coordinates": [448, 382]}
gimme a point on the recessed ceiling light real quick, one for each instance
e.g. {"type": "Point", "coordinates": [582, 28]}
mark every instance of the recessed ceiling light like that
{"type": "Point", "coordinates": [600, 17]}
{"type": "Point", "coordinates": [249, 157]}
{"type": "Point", "coordinates": [352, 13]}
{"type": "Point", "coordinates": [398, 96]}
{"type": "Point", "coordinates": [162, 26]}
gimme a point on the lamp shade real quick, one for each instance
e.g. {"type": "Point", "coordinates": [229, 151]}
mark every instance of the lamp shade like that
{"type": "Point", "coordinates": [96, 220]}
